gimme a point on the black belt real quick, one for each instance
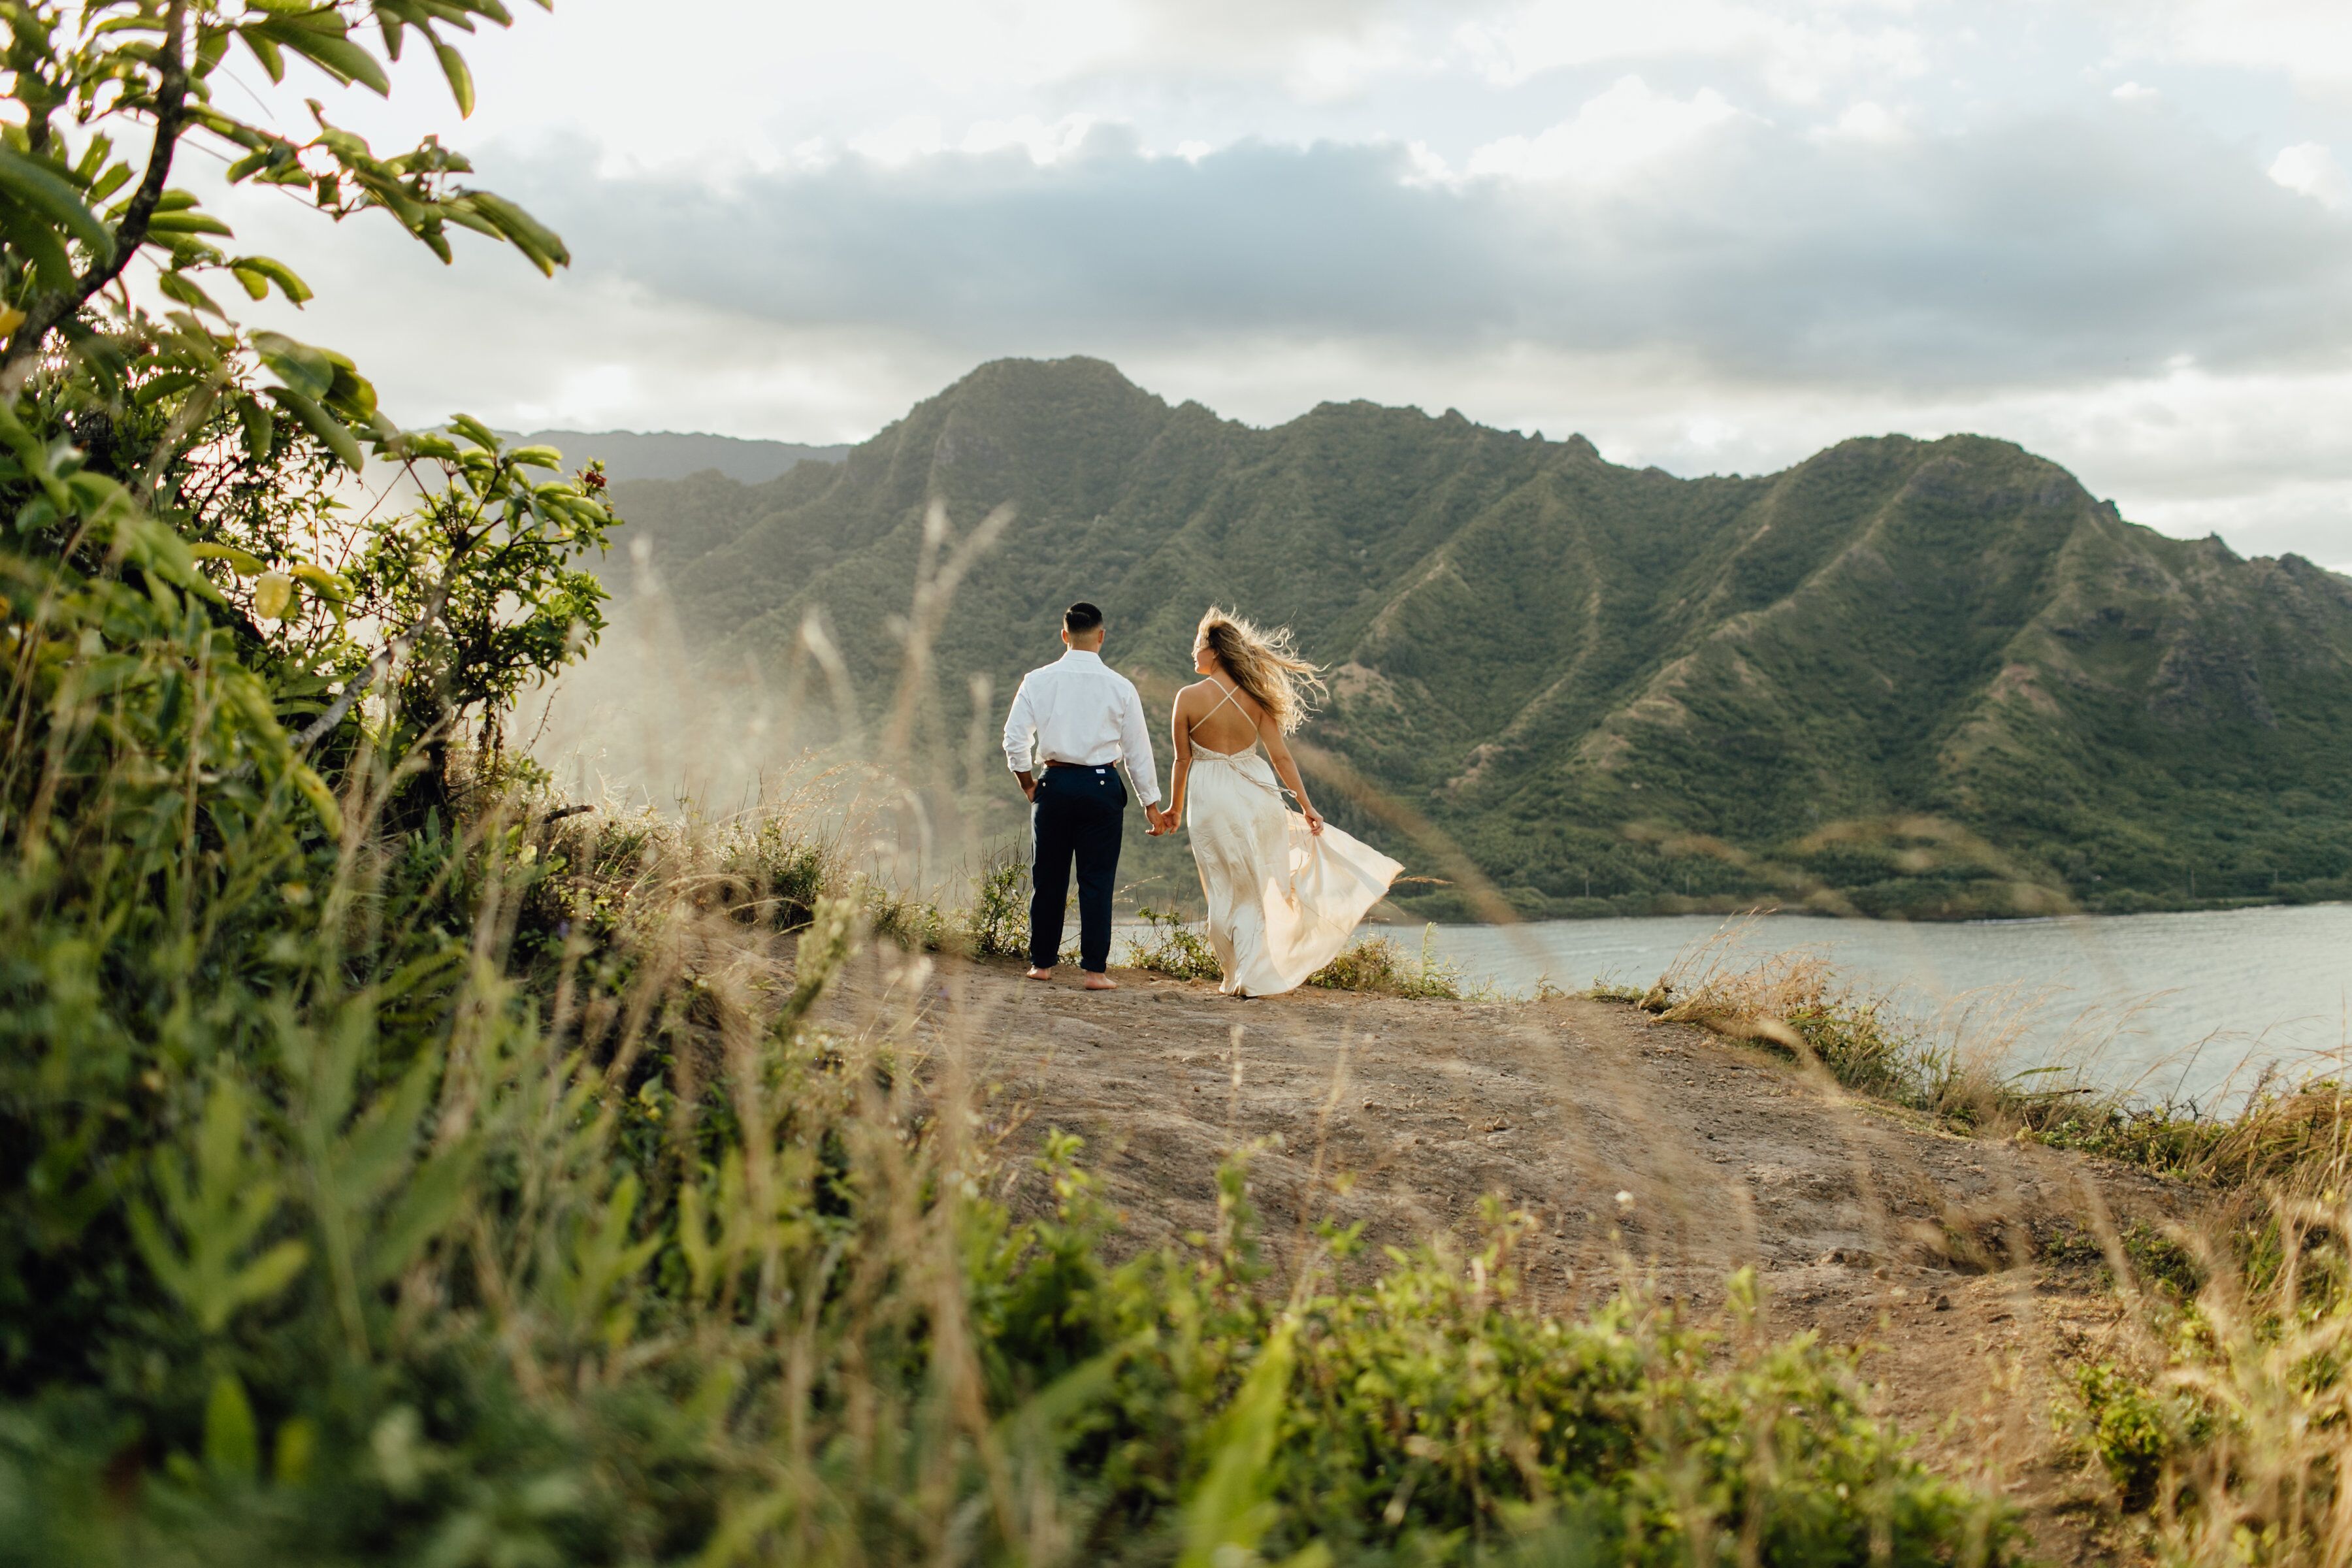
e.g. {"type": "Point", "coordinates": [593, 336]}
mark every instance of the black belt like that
{"type": "Point", "coordinates": [1057, 762]}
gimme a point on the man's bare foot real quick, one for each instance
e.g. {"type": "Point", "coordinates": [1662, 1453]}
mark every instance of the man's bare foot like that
{"type": "Point", "coordinates": [1101, 982]}
{"type": "Point", "coordinates": [1041, 974]}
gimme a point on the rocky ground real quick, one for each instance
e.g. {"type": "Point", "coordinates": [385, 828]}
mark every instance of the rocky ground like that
{"type": "Point", "coordinates": [1962, 1268]}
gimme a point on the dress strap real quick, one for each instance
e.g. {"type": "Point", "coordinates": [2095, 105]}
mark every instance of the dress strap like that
{"type": "Point", "coordinates": [1228, 696]}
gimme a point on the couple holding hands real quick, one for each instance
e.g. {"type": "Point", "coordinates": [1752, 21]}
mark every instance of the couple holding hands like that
{"type": "Point", "coordinates": [1285, 889]}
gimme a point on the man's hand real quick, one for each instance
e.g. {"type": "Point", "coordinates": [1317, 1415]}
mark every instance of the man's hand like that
{"type": "Point", "coordinates": [1161, 821]}
{"type": "Point", "coordinates": [1028, 785]}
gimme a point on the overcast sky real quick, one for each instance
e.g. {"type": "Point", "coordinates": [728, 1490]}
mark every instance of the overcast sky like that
{"type": "Point", "coordinates": [1710, 235]}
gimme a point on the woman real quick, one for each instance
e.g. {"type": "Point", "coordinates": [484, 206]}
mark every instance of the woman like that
{"type": "Point", "coordinates": [1284, 891]}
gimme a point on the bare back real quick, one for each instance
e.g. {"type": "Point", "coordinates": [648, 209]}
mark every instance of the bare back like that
{"type": "Point", "coordinates": [1219, 717]}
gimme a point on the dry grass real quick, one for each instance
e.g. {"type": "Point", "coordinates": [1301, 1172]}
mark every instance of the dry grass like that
{"type": "Point", "coordinates": [2218, 1407]}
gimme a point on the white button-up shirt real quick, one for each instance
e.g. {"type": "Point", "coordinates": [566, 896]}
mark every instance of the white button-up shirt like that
{"type": "Point", "coordinates": [1079, 709]}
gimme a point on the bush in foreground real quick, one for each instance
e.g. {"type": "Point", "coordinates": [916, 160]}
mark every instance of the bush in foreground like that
{"type": "Point", "coordinates": [438, 1282]}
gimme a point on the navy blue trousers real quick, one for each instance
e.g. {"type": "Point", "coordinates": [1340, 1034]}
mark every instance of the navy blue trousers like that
{"type": "Point", "coordinates": [1077, 816]}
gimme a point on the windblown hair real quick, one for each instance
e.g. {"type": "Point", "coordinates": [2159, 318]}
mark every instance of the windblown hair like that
{"type": "Point", "coordinates": [1264, 664]}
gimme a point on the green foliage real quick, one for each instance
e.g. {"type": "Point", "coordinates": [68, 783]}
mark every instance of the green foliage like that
{"type": "Point", "coordinates": [2222, 1419]}
{"type": "Point", "coordinates": [1903, 678]}
{"type": "Point", "coordinates": [1432, 1418]}
{"type": "Point", "coordinates": [2132, 1430]}
{"type": "Point", "coordinates": [146, 441]}
{"type": "Point", "coordinates": [998, 923]}
{"type": "Point", "coordinates": [200, 1251]}
{"type": "Point", "coordinates": [1379, 964]}
{"type": "Point", "coordinates": [1172, 948]}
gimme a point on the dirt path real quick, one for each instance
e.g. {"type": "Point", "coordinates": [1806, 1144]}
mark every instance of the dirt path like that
{"type": "Point", "coordinates": [1628, 1138]}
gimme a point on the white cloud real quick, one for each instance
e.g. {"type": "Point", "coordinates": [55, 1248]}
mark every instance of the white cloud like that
{"type": "Point", "coordinates": [1335, 66]}
{"type": "Point", "coordinates": [2042, 253]}
{"type": "Point", "coordinates": [1866, 122]}
{"type": "Point", "coordinates": [2133, 92]}
{"type": "Point", "coordinates": [1046, 142]}
{"type": "Point", "coordinates": [2311, 170]}
{"type": "Point", "coordinates": [2308, 40]}
{"type": "Point", "coordinates": [1800, 51]}
{"type": "Point", "coordinates": [902, 141]}
{"type": "Point", "coordinates": [1612, 136]}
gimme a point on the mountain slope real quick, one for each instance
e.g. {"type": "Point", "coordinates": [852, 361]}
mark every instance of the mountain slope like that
{"type": "Point", "coordinates": [1903, 677]}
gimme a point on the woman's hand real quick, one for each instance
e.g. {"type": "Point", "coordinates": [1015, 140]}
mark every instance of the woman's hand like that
{"type": "Point", "coordinates": [1314, 817]}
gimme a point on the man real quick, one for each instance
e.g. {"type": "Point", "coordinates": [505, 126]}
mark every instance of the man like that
{"type": "Point", "coordinates": [1083, 718]}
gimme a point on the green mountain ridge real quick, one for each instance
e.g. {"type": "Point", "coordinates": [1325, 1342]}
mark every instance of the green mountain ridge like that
{"type": "Point", "coordinates": [1930, 678]}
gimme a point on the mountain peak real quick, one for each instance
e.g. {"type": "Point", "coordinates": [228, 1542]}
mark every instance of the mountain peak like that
{"type": "Point", "coordinates": [1075, 376]}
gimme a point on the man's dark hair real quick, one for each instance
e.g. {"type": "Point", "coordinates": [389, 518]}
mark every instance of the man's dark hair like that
{"type": "Point", "coordinates": [1080, 618]}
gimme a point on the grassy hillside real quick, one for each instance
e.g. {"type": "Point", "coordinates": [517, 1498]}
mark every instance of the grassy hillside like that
{"type": "Point", "coordinates": [1903, 678]}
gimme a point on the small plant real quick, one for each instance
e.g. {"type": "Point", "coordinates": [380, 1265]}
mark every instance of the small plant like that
{"type": "Point", "coordinates": [1381, 963]}
{"type": "Point", "coordinates": [2134, 1431]}
{"type": "Point", "coordinates": [997, 925]}
{"type": "Point", "coordinates": [1173, 948]}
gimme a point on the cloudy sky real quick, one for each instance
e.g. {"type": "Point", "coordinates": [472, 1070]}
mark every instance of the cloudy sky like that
{"type": "Point", "coordinates": [1712, 235]}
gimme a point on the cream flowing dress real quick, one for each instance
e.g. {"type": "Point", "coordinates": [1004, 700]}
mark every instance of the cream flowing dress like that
{"type": "Point", "coordinates": [1283, 900]}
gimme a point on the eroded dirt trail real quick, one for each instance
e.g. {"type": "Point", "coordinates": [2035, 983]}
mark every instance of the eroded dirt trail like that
{"type": "Point", "coordinates": [1862, 1222]}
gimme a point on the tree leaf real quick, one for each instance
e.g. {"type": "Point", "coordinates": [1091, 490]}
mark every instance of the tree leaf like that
{"type": "Point", "coordinates": [52, 267]}
{"type": "Point", "coordinates": [335, 54]}
{"type": "Point", "coordinates": [325, 583]}
{"type": "Point", "coordinates": [179, 286]}
{"type": "Point", "coordinates": [474, 430]}
{"type": "Point", "coordinates": [461, 79]}
{"type": "Point", "coordinates": [307, 371]}
{"type": "Point", "coordinates": [273, 595]}
{"type": "Point", "coordinates": [321, 424]}
{"type": "Point", "coordinates": [260, 432]}
{"type": "Point", "coordinates": [289, 282]}
{"type": "Point", "coordinates": [244, 562]}
{"type": "Point", "coordinates": [264, 50]}
{"type": "Point", "coordinates": [187, 222]}
{"type": "Point", "coordinates": [51, 196]}
{"type": "Point", "coordinates": [541, 244]}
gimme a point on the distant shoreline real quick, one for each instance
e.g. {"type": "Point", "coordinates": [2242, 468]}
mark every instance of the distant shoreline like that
{"type": "Point", "coordinates": [1674, 907]}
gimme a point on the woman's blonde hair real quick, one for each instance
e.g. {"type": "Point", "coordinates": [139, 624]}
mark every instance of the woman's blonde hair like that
{"type": "Point", "coordinates": [1265, 665]}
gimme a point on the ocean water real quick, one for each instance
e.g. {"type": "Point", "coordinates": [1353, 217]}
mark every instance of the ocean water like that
{"type": "Point", "coordinates": [2189, 1006]}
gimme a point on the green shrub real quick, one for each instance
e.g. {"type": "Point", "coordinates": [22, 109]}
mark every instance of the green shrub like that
{"type": "Point", "coordinates": [1379, 964]}
{"type": "Point", "coordinates": [997, 925]}
{"type": "Point", "coordinates": [2135, 1432]}
{"type": "Point", "coordinates": [1172, 948]}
